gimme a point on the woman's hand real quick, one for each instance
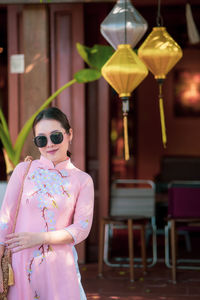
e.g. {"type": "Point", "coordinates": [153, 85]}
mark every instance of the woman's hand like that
{"type": "Point", "coordinates": [1, 279]}
{"type": "Point", "coordinates": [23, 240]}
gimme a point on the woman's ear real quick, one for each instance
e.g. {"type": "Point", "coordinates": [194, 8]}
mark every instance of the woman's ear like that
{"type": "Point", "coordinates": [70, 135]}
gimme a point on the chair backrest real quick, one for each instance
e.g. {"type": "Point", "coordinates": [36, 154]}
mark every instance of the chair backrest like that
{"type": "Point", "coordinates": [3, 185]}
{"type": "Point", "coordinates": [137, 198]}
{"type": "Point", "coordinates": [184, 200]}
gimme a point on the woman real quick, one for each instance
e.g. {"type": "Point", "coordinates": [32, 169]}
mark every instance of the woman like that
{"type": "Point", "coordinates": [55, 213]}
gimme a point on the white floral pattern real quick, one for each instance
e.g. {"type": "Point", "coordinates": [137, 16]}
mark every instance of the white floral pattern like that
{"type": "Point", "coordinates": [84, 223]}
{"type": "Point", "coordinates": [3, 225]}
{"type": "Point", "coordinates": [49, 182]}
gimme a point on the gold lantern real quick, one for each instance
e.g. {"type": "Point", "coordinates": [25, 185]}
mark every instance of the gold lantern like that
{"type": "Point", "coordinates": [124, 71]}
{"type": "Point", "coordinates": [160, 53]}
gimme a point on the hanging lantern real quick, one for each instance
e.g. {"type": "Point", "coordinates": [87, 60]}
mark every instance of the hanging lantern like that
{"type": "Point", "coordinates": [160, 53]}
{"type": "Point", "coordinates": [123, 25]}
{"type": "Point", "coordinates": [124, 71]}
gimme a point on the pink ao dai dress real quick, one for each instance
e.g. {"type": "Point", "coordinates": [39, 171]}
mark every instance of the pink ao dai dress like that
{"type": "Point", "coordinates": [53, 198]}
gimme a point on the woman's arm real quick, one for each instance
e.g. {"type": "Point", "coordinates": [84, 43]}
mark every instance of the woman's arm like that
{"type": "Point", "coordinates": [24, 240]}
{"type": "Point", "coordinates": [9, 205]}
{"type": "Point", "coordinates": [83, 215]}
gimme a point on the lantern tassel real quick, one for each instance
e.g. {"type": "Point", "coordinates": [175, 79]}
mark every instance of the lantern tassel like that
{"type": "Point", "coordinates": [126, 146]}
{"type": "Point", "coordinates": [162, 117]}
{"type": "Point", "coordinates": [10, 275]}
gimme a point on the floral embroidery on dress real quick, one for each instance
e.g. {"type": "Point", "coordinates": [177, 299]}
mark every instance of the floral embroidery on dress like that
{"type": "Point", "coordinates": [36, 296]}
{"type": "Point", "coordinates": [84, 223]}
{"type": "Point", "coordinates": [29, 270]}
{"type": "Point", "coordinates": [49, 182]}
{"type": "Point", "coordinates": [40, 252]}
{"type": "Point", "coordinates": [3, 225]}
{"type": "Point", "coordinates": [50, 219]}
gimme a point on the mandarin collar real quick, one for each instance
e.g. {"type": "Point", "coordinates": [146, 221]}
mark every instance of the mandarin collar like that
{"type": "Point", "coordinates": [66, 164]}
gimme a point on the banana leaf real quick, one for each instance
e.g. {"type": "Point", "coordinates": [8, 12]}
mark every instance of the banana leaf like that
{"type": "Point", "coordinates": [9, 165]}
{"type": "Point", "coordinates": [87, 75]}
{"type": "Point", "coordinates": [83, 52]}
{"type": "Point", "coordinates": [4, 123]}
{"type": "Point", "coordinates": [96, 56]}
{"type": "Point", "coordinates": [6, 143]}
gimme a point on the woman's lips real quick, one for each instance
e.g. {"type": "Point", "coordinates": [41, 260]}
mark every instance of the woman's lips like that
{"type": "Point", "coordinates": [52, 151]}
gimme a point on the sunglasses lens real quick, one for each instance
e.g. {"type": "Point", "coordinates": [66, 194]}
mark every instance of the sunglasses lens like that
{"type": "Point", "coordinates": [40, 141]}
{"type": "Point", "coordinates": [56, 137]}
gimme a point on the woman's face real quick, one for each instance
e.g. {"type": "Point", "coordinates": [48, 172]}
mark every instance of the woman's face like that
{"type": "Point", "coordinates": [54, 152]}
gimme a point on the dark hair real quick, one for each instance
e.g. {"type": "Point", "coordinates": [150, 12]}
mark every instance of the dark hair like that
{"type": "Point", "coordinates": [53, 113]}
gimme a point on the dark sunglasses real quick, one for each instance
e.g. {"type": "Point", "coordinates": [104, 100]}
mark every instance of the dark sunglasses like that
{"type": "Point", "coordinates": [41, 140]}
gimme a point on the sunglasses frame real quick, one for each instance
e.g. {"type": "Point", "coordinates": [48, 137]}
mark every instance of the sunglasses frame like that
{"type": "Point", "coordinates": [46, 139]}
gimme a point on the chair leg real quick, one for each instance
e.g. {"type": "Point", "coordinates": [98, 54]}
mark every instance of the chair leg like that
{"type": "Point", "coordinates": [101, 247]}
{"type": "Point", "coordinates": [131, 247]}
{"type": "Point", "coordinates": [143, 248]}
{"type": "Point", "coordinates": [173, 250]}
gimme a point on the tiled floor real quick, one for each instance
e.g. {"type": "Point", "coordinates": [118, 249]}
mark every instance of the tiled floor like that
{"type": "Point", "coordinates": [155, 285]}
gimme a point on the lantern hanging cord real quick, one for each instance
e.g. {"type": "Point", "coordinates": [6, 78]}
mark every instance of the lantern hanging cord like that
{"type": "Point", "coordinates": [162, 115]}
{"type": "Point", "coordinates": [125, 20]}
{"type": "Point", "coordinates": [159, 18]}
{"type": "Point", "coordinates": [125, 109]}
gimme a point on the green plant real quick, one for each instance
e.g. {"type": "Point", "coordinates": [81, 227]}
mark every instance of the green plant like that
{"type": "Point", "coordinates": [95, 57]}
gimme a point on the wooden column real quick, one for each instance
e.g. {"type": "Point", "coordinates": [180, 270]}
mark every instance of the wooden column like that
{"type": "Point", "coordinates": [14, 22]}
{"type": "Point", "coordinates": [66, 29]}
{"type": "Point", "coordinates": [103, 147]}
{"type": "Point", "coordinates": [36, 51]}
{"type": "Point", "coordinates": [28, 35]}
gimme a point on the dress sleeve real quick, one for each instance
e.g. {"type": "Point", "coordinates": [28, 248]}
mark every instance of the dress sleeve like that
{"type": "Point", "coordinates": [83, 214]}
{"type": "Point", "coordinates": [9, 205]}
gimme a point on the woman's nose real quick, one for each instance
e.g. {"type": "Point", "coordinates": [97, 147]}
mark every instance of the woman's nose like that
{"type": "Point", "coordinates": [49, 142]}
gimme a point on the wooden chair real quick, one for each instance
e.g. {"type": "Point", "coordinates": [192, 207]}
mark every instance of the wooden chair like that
{"type": "Point", "coordinates": [183, 213]}
{"type": "Point", "coordinates": [131, 205]}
